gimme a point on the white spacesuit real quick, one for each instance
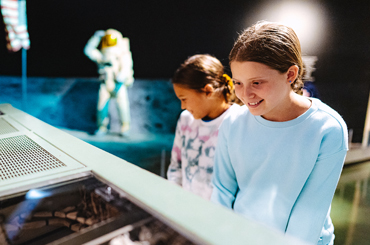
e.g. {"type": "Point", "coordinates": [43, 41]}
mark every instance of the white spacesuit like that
{"type": "Point", "coordinates": [112, 54]}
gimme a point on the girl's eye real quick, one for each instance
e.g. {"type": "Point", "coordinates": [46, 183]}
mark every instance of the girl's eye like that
{"type": "Point", "coordinates": [256, 83]}
{"type": "Point", "coordinates": [236, 83]}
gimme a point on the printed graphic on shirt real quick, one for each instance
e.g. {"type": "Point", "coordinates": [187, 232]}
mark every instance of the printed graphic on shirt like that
{"type": "Point", "coordinates": [193, 152]}
{"type": "Point", "coordinates": [199, 153]}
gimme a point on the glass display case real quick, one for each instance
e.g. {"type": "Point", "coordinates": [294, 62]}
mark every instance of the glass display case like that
{"type": "Point", "coordinates": [57, 189]}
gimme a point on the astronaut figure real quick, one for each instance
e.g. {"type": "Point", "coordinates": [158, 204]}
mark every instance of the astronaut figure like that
{"type": "Point", "coordinates": [112, 54]}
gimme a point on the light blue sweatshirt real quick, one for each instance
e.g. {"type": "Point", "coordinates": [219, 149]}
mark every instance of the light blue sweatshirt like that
{"type": "Point", "coordinates": [282, 174]}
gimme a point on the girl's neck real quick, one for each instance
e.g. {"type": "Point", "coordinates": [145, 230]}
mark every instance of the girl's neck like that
{"type": "Point", "coordinates": [301, 103]}
{"type": "Point", "coordinates": [298, 105]}
{"type": "Point", "coordinates": [217, 111]}
{"type": "Point", "coordinates": [294, 106]}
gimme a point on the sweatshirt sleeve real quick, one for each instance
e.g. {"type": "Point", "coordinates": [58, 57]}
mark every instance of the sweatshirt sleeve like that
{"type": "Point", "coordinates": [174, 173]}
{"type": "Point", "coordinates": [314, 201]}
{"type": "Point", "coordinates": [224, 181]}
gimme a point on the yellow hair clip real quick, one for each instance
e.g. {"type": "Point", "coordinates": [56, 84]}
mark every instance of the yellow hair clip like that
{"type": "Point", "coordinates": [229, 80]}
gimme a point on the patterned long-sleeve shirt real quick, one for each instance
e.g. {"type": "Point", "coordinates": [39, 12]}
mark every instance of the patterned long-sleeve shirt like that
{"type": "Point", "coordinates": [193, 151]}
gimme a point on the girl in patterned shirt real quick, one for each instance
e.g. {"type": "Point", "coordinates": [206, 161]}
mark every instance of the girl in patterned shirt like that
{"type": "Point", "coordinates": [206, 95]}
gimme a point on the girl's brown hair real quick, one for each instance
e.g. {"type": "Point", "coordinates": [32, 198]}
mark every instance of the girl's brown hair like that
{"type": "Point", "coordinates": [199, 70]}
{"type": "Point", "coordinates": [272, 44]}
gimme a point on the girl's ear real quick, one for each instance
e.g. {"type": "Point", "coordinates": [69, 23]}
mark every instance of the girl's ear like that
{"type": "Point", "coordinates": [292, 73]}
{"type": "Point", "coordinates": [208, 89]}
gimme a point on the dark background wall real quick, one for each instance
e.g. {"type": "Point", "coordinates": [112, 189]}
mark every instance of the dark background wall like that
{"type": "Point", "coordinates": [164, 33]}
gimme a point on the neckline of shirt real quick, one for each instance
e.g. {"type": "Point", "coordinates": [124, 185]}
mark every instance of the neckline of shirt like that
{"type": "Point", "coordinates": [295, 121]}
{"type": "Point", "coordinates": [216, 120]}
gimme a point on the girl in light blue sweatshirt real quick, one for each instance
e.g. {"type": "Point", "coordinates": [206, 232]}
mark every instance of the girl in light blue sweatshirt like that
{"type": "Point", "coordinates": [279, 157]}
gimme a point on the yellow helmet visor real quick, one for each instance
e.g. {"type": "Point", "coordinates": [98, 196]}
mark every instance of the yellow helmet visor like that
{"type": "Point", "coordinates": [109, 40]}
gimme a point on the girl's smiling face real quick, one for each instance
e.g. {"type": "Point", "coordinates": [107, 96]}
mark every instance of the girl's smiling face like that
{"type": "Point", "coordinates": [264, 90]}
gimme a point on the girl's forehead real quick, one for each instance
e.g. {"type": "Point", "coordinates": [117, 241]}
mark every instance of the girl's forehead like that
{"type": "Point", "coordinates": [181, 90]}
{"type": "Point", "coordinates": [180, 87]}
{"type": "Point", "coordinates": [249, 64]}
{"type": "Point", "coordinates": [250, 70]}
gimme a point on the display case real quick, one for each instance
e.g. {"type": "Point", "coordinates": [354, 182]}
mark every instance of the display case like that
{"type": "Point", "coordinates": [57, 189]}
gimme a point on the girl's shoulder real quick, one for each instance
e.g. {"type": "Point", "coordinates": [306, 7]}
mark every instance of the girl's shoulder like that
{"type": "Point", "coordinates": [236, 111]}
{"type": "Point", "coordinates": [235, 108]}
{"type": "Point", "coordinates": [332, 128]}
{"type": "Point", "coordinates": [186, 115]}
{"type": "Point", "coordinates": [236, 114]}
{"type": "Point", "coordinates": [185, 118]}
{"type": "Point", "coordinates": [328, 114]}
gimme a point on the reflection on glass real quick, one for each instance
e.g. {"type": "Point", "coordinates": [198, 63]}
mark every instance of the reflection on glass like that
{"type": "Point", "coordinates": [78, 212]}
{"type": "Point", "coordinates": [351, 206]}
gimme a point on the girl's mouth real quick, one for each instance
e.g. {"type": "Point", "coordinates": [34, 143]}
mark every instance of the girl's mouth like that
{"type": "Point", "coordinates": [255, 103]}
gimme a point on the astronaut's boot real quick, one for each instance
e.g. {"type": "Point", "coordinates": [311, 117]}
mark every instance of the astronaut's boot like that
{"type": "Point", "coordinates": [103, 128]}
{"type": "Point", "coordinates": [125, 129]}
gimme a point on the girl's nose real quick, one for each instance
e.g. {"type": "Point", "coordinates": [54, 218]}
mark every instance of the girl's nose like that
{"type": "Point", "coordinates": [248, 93]}
{"type": "Point", "coordinates": [183, 107]}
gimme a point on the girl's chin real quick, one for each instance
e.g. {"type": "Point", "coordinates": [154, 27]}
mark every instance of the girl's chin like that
{"type": "Point", "coordinates": [254, 112]}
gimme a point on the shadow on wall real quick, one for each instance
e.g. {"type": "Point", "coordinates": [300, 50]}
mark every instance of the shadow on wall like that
{"type": "Point", "coordinates": [71, 102]}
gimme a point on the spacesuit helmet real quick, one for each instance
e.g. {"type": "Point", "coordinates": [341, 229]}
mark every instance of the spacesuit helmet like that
{"type": "Point", "coordinates": [111, 38]}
